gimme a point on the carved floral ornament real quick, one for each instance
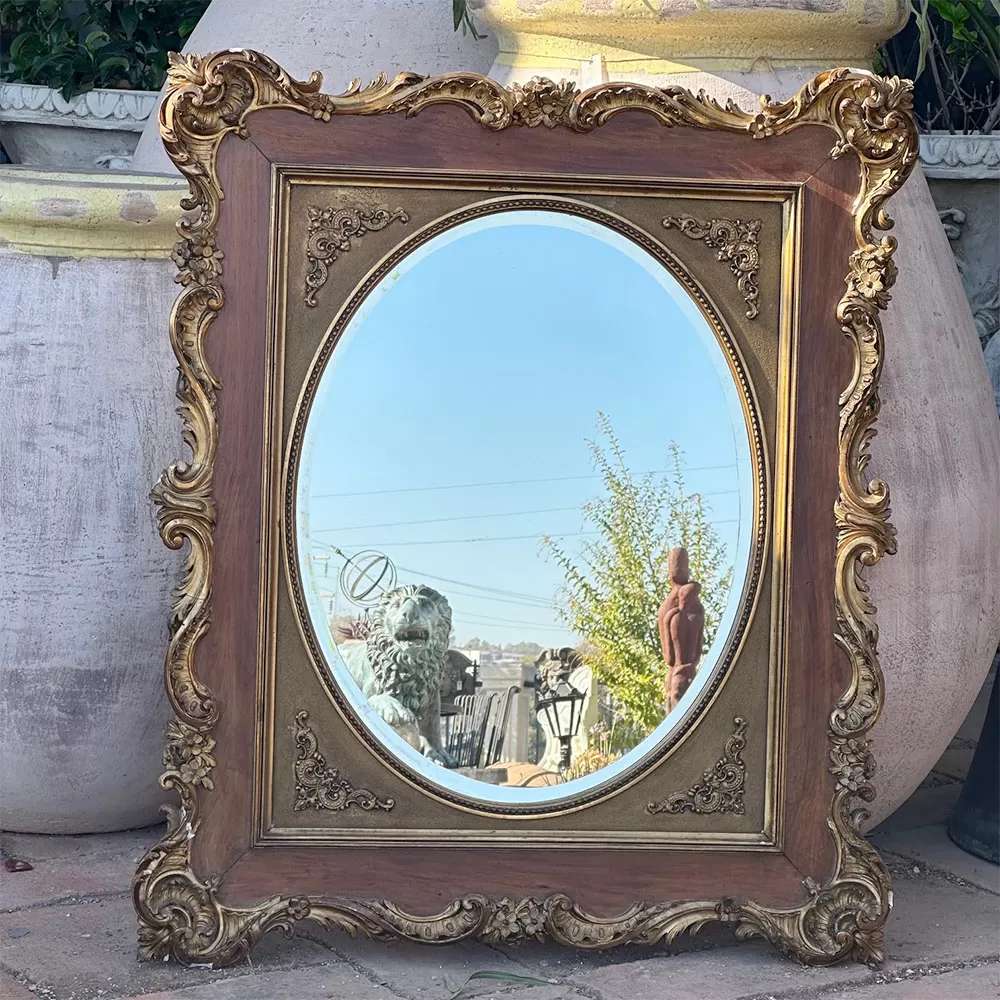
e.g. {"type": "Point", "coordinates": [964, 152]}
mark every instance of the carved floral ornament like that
{"type": "Point", "coordinates": [180, 914]}
{"type": "Point", "coordinates": [319, 786]}
{"type": "Point", "coordinates": [736, 242]}
{"type": "Point", "coordinates": [330, 233]}
{"type": "Point", "coordinates": [720, 788]}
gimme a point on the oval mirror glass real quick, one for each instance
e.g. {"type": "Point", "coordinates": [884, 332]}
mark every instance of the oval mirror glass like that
{"type": "Point", "coordinates": [524, 507]}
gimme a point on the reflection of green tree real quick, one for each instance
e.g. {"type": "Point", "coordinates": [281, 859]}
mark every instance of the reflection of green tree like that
{"type": "Point", "coordinates": [613, 593]}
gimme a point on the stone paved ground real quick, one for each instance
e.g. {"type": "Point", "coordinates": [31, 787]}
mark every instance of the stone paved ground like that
{"type": "Point", "coordinates": [67, 932]}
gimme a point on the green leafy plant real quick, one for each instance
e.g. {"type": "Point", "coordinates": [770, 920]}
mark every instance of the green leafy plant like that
{"type": "Point", "coordinates": [462, 17]}
{"type": "Point", "coordinates": [951, 50]}
{"type": "Point", "coordinates": [613, 593]}
{"type": "Point", "coordinates": [74, 46]}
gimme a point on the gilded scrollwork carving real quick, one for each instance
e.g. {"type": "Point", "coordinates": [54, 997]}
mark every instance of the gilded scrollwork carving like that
{"type": "Point", "coordinates": [330, 233]}
{"type": "Point", "coordinates": [319, 786]}
{"type": "Point", "coordinates": [181, 915]}
{"type": "Point", "coordinates": [720, 789]}
{"type": "Point", "coordinates": [737, 243]}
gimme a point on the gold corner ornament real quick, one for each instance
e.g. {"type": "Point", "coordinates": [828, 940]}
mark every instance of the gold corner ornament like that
{"type": "Point", "coordinates": [737, 243]}
{"type": "Point", "coordinates": [330, 233]}
{"type": "Point", "coordinates": [181, 916]}
{"type": "Point", "coordinates": [319, 786]}
{"type": "Point", "coordinates": [720, 789]}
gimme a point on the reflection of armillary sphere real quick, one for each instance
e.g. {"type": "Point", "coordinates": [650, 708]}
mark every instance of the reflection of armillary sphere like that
{"type": "Point", "coordinates": [366, 576]}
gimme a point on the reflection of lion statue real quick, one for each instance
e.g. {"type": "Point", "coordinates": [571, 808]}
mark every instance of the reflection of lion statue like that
{"type": "Point", "coordinates": [400, 664]}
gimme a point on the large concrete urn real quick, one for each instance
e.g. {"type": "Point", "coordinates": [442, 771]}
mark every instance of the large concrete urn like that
{"type": "Point", "coordinates": [938, 439]}
{"type": "Point", "coordinates": [342, 40]}
{"type": "Point", "coordinates": [85, 286]}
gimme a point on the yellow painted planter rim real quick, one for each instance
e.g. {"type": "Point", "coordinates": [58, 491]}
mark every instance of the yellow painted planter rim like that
{"type": "Point", "coordinates": [77, 213]}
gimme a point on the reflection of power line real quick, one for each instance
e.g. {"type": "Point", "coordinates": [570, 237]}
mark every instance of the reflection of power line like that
{"type": "Point", "coordinates": [492, 591]}
{"type": "Point", "coordinates": [509, 482]}
{"type": "Point", "coordinates": [489, 593]}
{"type": "Point", "coordinates": [491, 620]}
{"type": "Point", "coordinates": [461, 591]}
{"type": "Point", "coordinates": [463, 517]}
{"type": "Point", "coordinates": [464, 583]}
{"type": "Point", "coordinates": [500, 538]}
{"type": "Point", "coordinates": [484, 538]}
{"type": "Point", "coordinates": [494, 618]}
{"type": "Point", "coordinates": [479, 517]}
{"type": "Point", "coordinates": [499, 595]}
{"type": "Point", "coordinates": [476, 586]}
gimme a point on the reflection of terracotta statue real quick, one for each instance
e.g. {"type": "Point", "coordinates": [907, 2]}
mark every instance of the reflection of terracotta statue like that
{"type": "Point", "coordinates": [682, 621]}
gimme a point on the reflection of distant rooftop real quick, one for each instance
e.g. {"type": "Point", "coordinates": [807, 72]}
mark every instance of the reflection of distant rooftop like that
{"type": "Point", "coordinates": [491, 656]}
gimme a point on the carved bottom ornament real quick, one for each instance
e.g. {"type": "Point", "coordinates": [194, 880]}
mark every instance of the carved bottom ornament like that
{"type": "Point", "coordinates": [183, 919]}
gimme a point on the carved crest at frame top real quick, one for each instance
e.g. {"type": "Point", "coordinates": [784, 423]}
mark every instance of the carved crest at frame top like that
{"type": "Point", "coordinates": [209, 97]}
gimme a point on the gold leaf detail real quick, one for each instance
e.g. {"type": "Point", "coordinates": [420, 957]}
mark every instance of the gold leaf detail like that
{"type": "Point", "coordinates": [330, 233]}
{"type": "Point", "coordinates": [721, 787]}
{"type": "Point", "coordinates": [189, 753]}
{"type": "Point", "coordinates": [541, 102]}
{"type": "Point", "coordinates": [319, 786]}
{"type": "Point", "coordinates": [737, 243]}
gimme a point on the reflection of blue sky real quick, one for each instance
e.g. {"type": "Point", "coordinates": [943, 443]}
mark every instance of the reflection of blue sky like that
{"type": "Point", "coordinates": [485, 360]}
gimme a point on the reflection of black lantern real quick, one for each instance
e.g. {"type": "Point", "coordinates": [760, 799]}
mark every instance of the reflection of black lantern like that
{"type": "Point", "coordinates": [563, 708]}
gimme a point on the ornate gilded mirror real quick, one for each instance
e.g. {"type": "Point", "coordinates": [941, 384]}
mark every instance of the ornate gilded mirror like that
{"type": "Point", "coordinates": [526, 511]}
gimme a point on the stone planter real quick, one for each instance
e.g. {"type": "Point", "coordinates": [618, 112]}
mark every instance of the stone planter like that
{"type": "Point", "coordinates": [87, 404]}
{"type": "Point", "coordinates": [963, 173]}
{"type": "Point", "coordinates": [938, 439]}
{"type": "Point", "coordinates": [975, 823]}
{"type": "Point", "coordinates": [97, 129]}
{"type": "Point", "coordinates": [737, 48]}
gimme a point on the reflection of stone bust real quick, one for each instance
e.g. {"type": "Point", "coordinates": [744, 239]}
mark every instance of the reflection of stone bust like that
{"type": "Point", "coordinates": [682, 623]}
{"type": "Point", "coordinates": [457, 677]}
{"type": "Point", "coordinates": [555, 665]}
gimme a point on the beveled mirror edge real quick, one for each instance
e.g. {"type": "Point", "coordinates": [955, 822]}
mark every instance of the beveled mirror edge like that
{"type": "Point", "coordinates": [748, 592]}
{"type": "Point", "coordinates": [180, 914]}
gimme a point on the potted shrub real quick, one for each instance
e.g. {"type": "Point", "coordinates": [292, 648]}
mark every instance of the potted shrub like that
{"type": "Point", "coordinates": [952, 52]}
{"type": "Point", "coordinates": [80, 77]}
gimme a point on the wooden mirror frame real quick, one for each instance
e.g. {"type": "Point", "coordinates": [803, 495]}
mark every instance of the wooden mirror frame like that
{"type": "Point", "coordinates": [208, 891]}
